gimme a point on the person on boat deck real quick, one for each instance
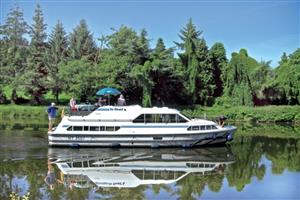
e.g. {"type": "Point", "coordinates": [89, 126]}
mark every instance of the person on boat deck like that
{"type": "Point", "coordinates": [102, 101]}
{"type": "Point", "coordinates": [222, 120]}
{"type": "Point", "coordinates": [73, 104]}
{"type": "Point", "coordinates": [121, 101]}
{"type": "Point", "coordinates": [51, 115]}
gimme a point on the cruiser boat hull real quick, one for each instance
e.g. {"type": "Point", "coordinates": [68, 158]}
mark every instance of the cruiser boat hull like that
{"type": "Point", "coordinates": [115, 130]}
{"type": "Point", "coordinates": [142, 140]}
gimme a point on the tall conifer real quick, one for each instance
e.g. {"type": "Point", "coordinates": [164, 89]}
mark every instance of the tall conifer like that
{"type": "Point", "coordinates": [36, 75]}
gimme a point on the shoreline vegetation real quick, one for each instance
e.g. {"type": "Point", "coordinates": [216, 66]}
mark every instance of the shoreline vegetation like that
{"type": "Point", "coordinates": [264, 114]}
{"type": "Point", "coordinates": [37, 65]}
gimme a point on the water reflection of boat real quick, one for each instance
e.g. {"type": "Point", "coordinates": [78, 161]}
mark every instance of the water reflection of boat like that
{"type": "Point", "coordinates": [129, 168]}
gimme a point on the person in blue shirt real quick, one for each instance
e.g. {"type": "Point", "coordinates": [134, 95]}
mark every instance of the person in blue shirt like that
{"type": "Point", "coordinates": [51, 115]}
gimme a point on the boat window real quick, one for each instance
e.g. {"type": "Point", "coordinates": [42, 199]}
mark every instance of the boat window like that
{"type": "Point", "coordinates": [157, 174]}
{"type": "Point", "coordinates": [85, 128]}
{"type": "Point", "coordinates": [185, 116]}
{"type": "Point", "coordinates": [117, 128]}
{"type": "Point", "coordinates": [77, 128]}
{"type": "Point", "coordinates": [202, 127]}
{"type": "Point", "coordinates": [70, 128]}
{"type": "Point", "coordinates": [180, 119]}
{"type": "Point", "coordinates": [194, 128]}
{"type": "Point", "coordinates": [94, 128]}
{"type": "Point", "coordinates": [213, 127]}
{"type": "Point", "coordinates": [110, 128]}
{"type": "Point", "coordinates": [157, 138]}
{"type": "Point", "coordinates": [139, 119]}
{"type": "Point", "coordinates": [169, 118]}
{"type": "Point", "coordinates": [150, 118]}
{"type": "Point", "coordinates": [159, 118]}
{"type": "Point", "coordinates": [102, 128]}
{"type": "Point", "coordinates": [208, 127]}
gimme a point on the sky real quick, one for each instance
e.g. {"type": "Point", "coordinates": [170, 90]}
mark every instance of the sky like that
{"type": "Point", "coordinates": [266, 28]}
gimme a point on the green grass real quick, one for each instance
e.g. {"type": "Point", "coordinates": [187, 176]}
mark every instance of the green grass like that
{"type": "Point", "coordinates": [19, 112]}
{"type": "Point", "coordinates": [264, 114]}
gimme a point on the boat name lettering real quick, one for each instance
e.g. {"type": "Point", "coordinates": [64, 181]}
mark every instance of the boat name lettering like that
{"type": "Point", "coordinates": [111, 109]}
{"type": "Point", "coordinates": [111, 183]}
{"type": "Point", "coordinates": [75, 138]}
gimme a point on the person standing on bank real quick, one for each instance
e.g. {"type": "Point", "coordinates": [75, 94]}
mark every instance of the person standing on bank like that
{"type": "Point", "coordinates": [51, 115]}
{"type": "Point", "coordinates": [121, 101]}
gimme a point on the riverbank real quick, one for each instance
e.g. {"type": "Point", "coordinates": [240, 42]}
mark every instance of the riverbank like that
{"type": "Point", "coordinates": [265, 114]}
{"type": "Point", "coordinates": [22, 112]}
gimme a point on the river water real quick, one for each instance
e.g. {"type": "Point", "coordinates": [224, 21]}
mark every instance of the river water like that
{"type": "Point", "coordinates": [263, 162]}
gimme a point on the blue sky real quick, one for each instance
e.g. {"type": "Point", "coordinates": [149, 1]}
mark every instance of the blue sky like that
{"type": "Point", "coordinates": [265, 28]}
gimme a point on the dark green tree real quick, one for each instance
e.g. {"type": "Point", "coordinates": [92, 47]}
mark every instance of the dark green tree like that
{"type": "Point", "coordinates": [82, 44]}
{"type": "Point", "coordinates": [35, 78]}
{"type": "Point", "coordinates": [239, 79]}
{"type": "Point", "coordinates": [79, 78]}
{"type": "Point", "coordinates": [57, 53]}
{"type": "Point", "coordinates": [287, 78]}
{"type": "Point", "coordinates": [163, 73]}
{"type": "Point", "coordinates": [13, 50]}
{"type": "Point", "coordinates": [218, 60]}
{"type": "Point", "coordinates": [197, 70]}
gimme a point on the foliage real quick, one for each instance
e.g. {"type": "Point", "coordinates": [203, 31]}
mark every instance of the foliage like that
{"type": "Point", "coordinates": [287, 79]}
{"type": "Point", "coordinates": [35, 77]}
{"type": "Point", "coordinates": [79, 77]}
{"type": "Point", "coordinates": [14, 196]}
{"type": "Point", "coordinates": [57, 53]}
{"type": "Point", "coordinates": [75, 65]}
{"type": "Point", "coordinates": [246, 113]}
{"type": "Point", "coordinates": [198, 73]}
{"type": "Point", "coordinates": [13, 51]}
{"type": "Point", "coordinates": [82, 44]}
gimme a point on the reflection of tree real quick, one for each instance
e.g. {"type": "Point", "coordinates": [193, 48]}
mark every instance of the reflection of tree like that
{"type": "Point", "coordinates": [284, 154]}
{"type": "Point", "coordinates": [248, 151]}
{"type": "Point", "coordinates": [156, 188]}
{"type": "Point", "coordinates": [33, 173]}
{"type": "Point", "coordinates": [247, 154]}
{"type": "Point", "coordinates": [123, 193]}
{"type": "Point", "coordinates": [30, 170]}
{"type": "Point", "coordinates": [191, 186]}
{"type": "Point", "coordinates": [215, 182]}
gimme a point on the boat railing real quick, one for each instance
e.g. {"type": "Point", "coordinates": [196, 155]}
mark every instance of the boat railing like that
{"type": "Point", "coordinates": [81, 110]}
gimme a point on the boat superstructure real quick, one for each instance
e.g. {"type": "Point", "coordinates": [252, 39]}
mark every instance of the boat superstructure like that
{"type": "Point", "coordinates": [136, 126]}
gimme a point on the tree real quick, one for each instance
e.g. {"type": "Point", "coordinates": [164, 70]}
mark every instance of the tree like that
{"type": "Point", "coordinates": [197, 70]}
{"type": "Point", "coordinates": [238, 86]}
{"type": "Point", "coordinates": [163, 74]}
{"type": "Point", "coordinates": [35, 77]}
{"type": "Point", "coordinates": [218, 60]}
{"type": "Point", "coordinates": [57, 53]}
{"type": "Point", "coordinates": [79, 78]}
{"type": "Point", "coordinates": [13, 50]}
{"type": "Point", "coordinates": [82, 44]}
{"type": "Point", "coordinates": [287, 78]}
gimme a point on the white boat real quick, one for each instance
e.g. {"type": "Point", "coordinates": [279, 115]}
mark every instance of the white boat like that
{"type": "Point", "coordinates": [134, 126]}
{"type": "Point", "coordinates": [131, 168]}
